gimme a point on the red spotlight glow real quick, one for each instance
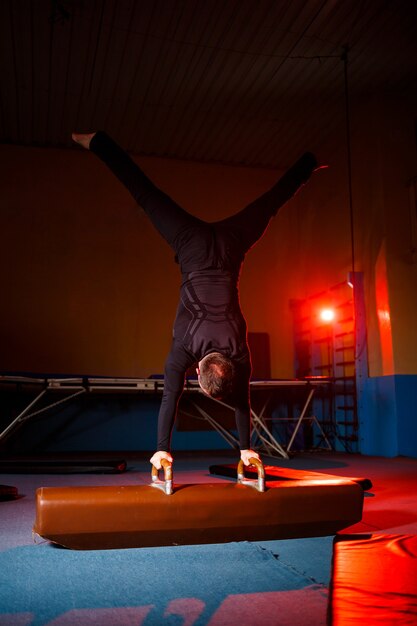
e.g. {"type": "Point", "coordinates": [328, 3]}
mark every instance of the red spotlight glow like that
{"type": "Point", "coordinates": [327, 315]}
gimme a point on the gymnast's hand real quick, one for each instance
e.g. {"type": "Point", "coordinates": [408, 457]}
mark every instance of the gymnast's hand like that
{"type": "Point", "coordinates": [245, 455]}
{"type": "Point", "coordinates": [83, 140]}
{"type": "Point", "coordinates": [158, 456]}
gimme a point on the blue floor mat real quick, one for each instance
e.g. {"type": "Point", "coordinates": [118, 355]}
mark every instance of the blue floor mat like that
{"type": "Point", "coordinates": [212, 585]}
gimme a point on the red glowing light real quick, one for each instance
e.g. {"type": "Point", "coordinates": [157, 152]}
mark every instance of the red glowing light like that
{"type": "Point", "coordinates": [327, 315]}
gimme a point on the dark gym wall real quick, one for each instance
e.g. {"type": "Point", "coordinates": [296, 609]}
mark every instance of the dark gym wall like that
{"type": "Point", "coordinates": [88, 285]}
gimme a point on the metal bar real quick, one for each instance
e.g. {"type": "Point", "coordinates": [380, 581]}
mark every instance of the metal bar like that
{"type": "Point", "coordinates": [95, 384]}
{"type": "Point", "coordinates": [322, 432]}
{"type": "Point", "coordinates": [231, 440]}
{"type": "Point", "coordinates": [268, 448]}
{"type": "Point", "coordinates": [53, 404]}
{"type": "Point", "coordinates": [269, 439]}
{"type": "Point", "coordinates": [300, 419]}
{"type": "Point", "coordinates": [270, 444]}
{"type": "Point", "coordinates": [21, 415]}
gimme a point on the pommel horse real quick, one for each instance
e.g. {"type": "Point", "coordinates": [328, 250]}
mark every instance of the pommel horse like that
{"type": "Point", "coordinates": [161, 514]}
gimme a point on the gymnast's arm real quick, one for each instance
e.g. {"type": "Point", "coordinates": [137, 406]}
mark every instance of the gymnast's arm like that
{"type": "Point", "coordinates": [242, 411]}
{"type": "Point", "coordinates": [177, 363]}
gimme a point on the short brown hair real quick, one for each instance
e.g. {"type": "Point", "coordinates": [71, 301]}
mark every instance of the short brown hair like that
{"type": "Point", "coordinates": [216, 375]}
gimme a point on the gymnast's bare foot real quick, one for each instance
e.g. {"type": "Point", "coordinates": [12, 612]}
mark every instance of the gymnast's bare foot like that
{"type": "Point", "coordinates": [83, 140]}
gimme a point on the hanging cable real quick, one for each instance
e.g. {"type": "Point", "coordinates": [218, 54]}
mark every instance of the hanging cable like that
{"type": "Point", "coordinates": [345, 59]}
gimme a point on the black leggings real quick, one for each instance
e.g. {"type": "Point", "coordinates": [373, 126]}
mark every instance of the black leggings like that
{"type": "Point", "coordinates": [173, 222]}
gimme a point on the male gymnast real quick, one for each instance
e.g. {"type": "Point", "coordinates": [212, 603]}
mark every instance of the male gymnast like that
{"type": "Point", "coordinates": [209, 328]}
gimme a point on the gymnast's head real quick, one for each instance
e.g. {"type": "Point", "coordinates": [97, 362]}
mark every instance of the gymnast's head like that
{"type": "Point", "coordinates": [215, 375]}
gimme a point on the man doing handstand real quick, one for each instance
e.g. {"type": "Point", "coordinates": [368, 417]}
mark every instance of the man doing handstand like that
{"type": "Point", "coordinates": [209, 328]}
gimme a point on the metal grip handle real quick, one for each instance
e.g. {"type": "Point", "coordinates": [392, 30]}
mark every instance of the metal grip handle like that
{"type": "Point", "coordinates": [259, 484]}
{"type": "Point", "coordinates": [166, 484]}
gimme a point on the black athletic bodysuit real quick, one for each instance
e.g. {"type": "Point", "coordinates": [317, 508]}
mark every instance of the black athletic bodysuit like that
{"type": "Point", "coordinates": [210, 255]}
